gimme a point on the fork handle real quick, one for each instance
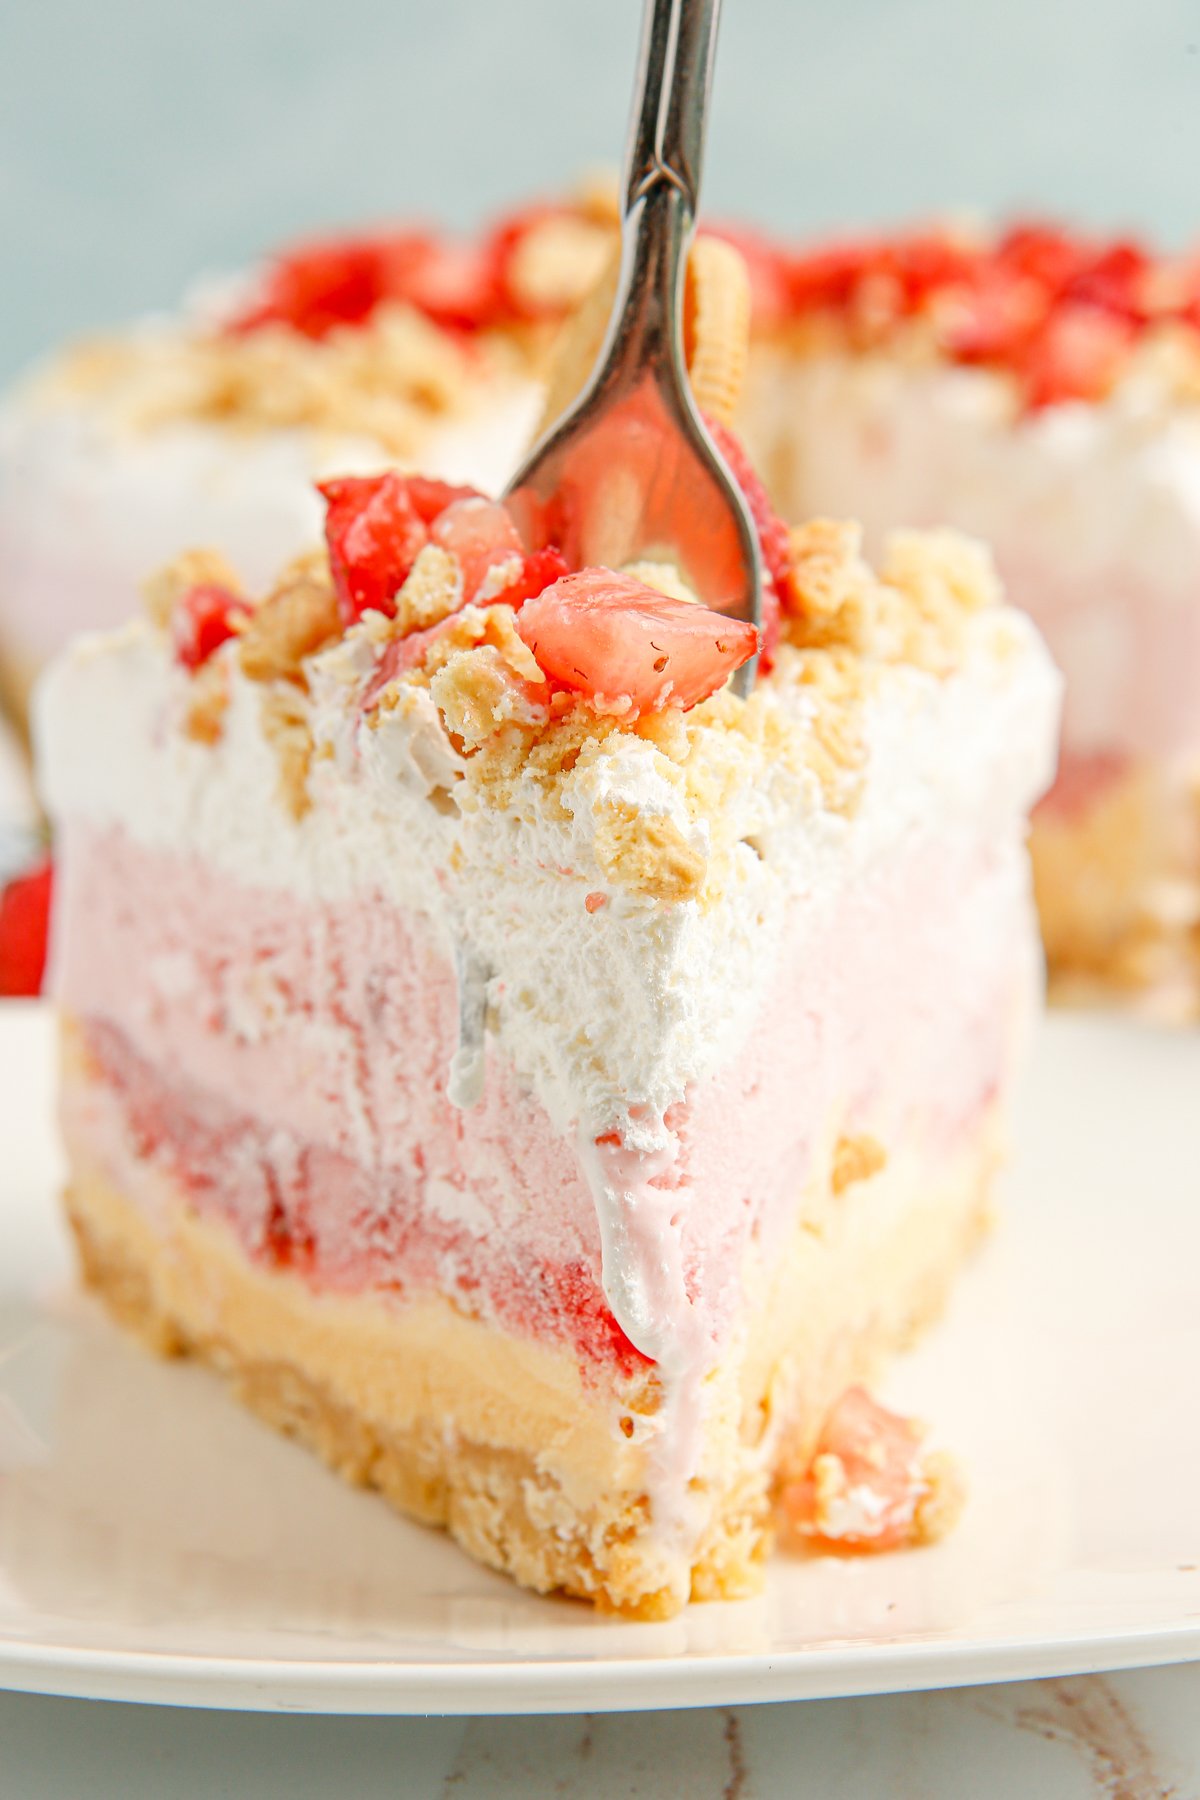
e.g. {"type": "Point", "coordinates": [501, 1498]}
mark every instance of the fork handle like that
{"type": "Point", "coordinates": [671, 95]}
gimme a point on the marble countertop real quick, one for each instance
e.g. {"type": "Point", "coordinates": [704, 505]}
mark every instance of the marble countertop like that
{"type": "Point", "coordinates": [1131, 1736]}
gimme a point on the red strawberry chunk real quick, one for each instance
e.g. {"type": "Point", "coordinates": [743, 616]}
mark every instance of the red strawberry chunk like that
{"type": "Point", "coordinates": [1115, 279]}
{"type": "Point", "coordinates": [322, 285]}
{"type": "Point", "coordinates": [773, 536]}
{"type": "Point", "coordinates": [432, 497]}
{"type": "Point", "coordinates": [375, 535]}
{"type": "Point", "coordinates": [994, 320]}
{"type": "Point", "coordinates": [203, 620]}
{"type": "Point", "coordinates": [539, 571]}
{"type": "Point", "coordinates": [828, 277]}
{"type": "Point", "coordinates": [455, 285]}
{"type": "Point", "coordinates": [1043, 253]}
{"type": "Point", "coordinates": [1077, 356]}
{"type": "Point", "coordinates": [24, 924]}
{"type": "Point", "coordinates": [865, 1482]}
{"type": "Point", "coordinates": [611, 638]}
{"type": "Point", "coordinates": [482, 538]}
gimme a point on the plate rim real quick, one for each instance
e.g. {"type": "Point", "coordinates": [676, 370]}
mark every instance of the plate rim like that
{"type": "Point", "coordinates": [527, 1687]}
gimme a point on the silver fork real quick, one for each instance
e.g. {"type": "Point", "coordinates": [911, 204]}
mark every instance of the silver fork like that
{"type": "Point", "coordinates": [630, 473]}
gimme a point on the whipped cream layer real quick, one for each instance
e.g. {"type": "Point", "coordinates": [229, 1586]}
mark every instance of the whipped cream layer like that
{"type": "Point", "coordinates": [1092, 512]}
{"type": "Point", "coordinates": [666, 991]}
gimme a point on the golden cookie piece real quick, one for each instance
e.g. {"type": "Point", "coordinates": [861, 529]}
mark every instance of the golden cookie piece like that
{"type": "Point", "coordinates": [716, 332]}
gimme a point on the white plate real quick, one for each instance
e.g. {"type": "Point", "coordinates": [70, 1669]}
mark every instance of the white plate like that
{"type": "Point", "coordinates": [156, 1543]}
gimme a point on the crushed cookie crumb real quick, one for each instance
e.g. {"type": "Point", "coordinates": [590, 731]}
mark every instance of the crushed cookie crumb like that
{"type": "Point", "coordinates": [940, 571]}
{"type": "Point", "coordinates": [431, 593]}
{"type": "Point", "coordinates": [293, 622]}
{"type": "Point", "coordinates": [647, 852]}
{"type": "Point", "coordinates": [387, 378]}
{"type": "Point", "coordinates": [940, 1506]}
{"type": "Point", "coordinates": [856, 1158]}
{"type": "Point", "coordinates": [826, 569]}
{"type": "Point", "coordinates": [208, 702]}
{"type": "Point", "coordinates": [286, 728]}
{"type": "Point", "coordinates": [478, 694]}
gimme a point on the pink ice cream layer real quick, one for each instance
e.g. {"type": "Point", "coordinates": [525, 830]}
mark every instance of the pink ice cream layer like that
{"type": "Point", "coordinates": [287, 1064]}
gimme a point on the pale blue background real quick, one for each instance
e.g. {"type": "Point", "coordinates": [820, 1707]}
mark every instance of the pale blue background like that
{"type": "Point", "coordinates": [144, 140]}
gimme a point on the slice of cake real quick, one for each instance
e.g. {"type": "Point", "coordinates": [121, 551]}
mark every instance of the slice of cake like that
{"type": "Point", "coordinates": [1042, 391]}
{"type": "Point", "coordinates": [539, 1079]}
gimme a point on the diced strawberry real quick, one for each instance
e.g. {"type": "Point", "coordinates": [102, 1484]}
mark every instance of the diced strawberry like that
{"type": "Point", "coordinates": [924, 262]}
{"type": "Point", "coordinates": [321, 285]}
{"type": "Point", "coordinates": [827, 277]}
{"type": "Point", "coordinates": [431, 497]}
{"type": "Point", "coordinates": [375, 535]}
{"type": "Point", "coordinates": [773, 536]}
{"type": "Point", "coordinates": [1076, 357]}
{"type": "Point", "coordinates": [24, 924]}
{"type": "Point", "coordinates": [874, 1456]}
{"type": "Point", "coordinates": [1044, 253]}
{"type": "Point", "coordinates": [993, 321]}
{"type": "Point", "coordinates": [483, 540]}
{"type": "Point", "coordinates": [610, 637]}
{"type": "Point", "coordinates": [340, 281]}
{"type": "Point", "coordinates": [401, 654]}
{"type": "Point", "coordinates": [203, 620]}
{"type": "Point", "coordinates": [1113, 279]}
{"type": "Point", "coordinates": [452, 284]}
{"type": "Point", "coordinates": [539, 571]}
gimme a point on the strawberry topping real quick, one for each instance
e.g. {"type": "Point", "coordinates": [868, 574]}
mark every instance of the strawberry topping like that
{"type": "Point", "coordinates": [452, 284]}
{"type": "Point", "coordinates": [375, 534]}
{"type": "Point", "coordinates": [482, 538]}
{"type": "Point", "coordinates": [24, 924]}
{"type": "Point", "coordinates": [319, 286]}
{"type": "Point", "coordinates": [613, 639]}
{"type": "Point", "coordinates": [988, 302]}
{"type": "Point", "coordinates": [538, 572]}
{"type": "Point", "coordinates": [1077, 356]}
{"type": "Point", "coordinates": [432, 497]}
{"type": "Point", "coordinates": [203, 620]}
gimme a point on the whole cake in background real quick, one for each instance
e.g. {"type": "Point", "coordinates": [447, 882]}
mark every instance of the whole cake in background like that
{"type": "Point", "coordinates": [1042, 391]}
{"type": "Point", "coordinates": [1037, 389]}
{"type": "Point", "coordinates": [209, 427]}
{"type": "Point", "coordinates": [544, 1081]}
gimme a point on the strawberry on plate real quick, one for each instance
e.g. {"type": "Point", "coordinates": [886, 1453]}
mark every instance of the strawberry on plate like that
{"type": "Point", "coordinates": [869, 1486]}
{"type": "Point", "coordinates": [628, 647]}
{"type": "Point", "coordinates": [24, 925]}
